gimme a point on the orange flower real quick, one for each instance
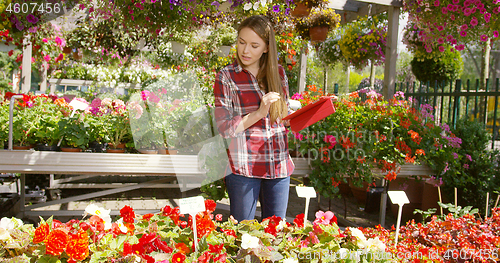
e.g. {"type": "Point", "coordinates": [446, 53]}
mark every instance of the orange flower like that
{"type": "Point", "coordinates": [183, 248]}
{"type": "Point", "coordinates": [354, 95]}
{"type": "Point", "coordinates": [41, 233]}
{"type": "Point", "coordinates": [56, 242]}
{"type": "Point", "coordinates": [204, 225]}
{"type": "Point", "coordinates": [420, 151]}
{"type": "Point", "coordinates": [390, 176]}
{"type": "Point", "coordinates": [78, 246]}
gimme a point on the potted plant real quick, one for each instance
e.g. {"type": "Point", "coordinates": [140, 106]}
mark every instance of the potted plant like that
{"type": "Point", "coordinates": [316, 26]}
{"type": "Point", "coordinates": [303, 7]}
{"type": "Point", "coordinates": [179, 39]}
{"type": "Point", "coordinates": [73, 132]}
{"type": "Point", "coordinates": [224, 36]}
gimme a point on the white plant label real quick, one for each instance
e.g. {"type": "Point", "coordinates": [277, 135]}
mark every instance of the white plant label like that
{"type": "Point", "coordinates": [398, 197]}
{"type": "Point", "coordinates": [192, 205]}
{"type": "Point", "coordinates": [305, 191]}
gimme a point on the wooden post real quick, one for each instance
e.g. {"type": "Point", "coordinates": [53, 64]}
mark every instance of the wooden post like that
{"type": "Point", "coordinates": [303, 71]}
{"type": "Point", "coordinates": [43, 81]}
{"type": "Point", "coordinates": [26, 71]}
{"type": "Point", "coordinates": [16, 79]}
{"type": "Point", "coordinates": [325, 82]}
{"type": "Point", "coordinates": [348, 73]}
{"type": "Point", "coordinates": [391, 52]}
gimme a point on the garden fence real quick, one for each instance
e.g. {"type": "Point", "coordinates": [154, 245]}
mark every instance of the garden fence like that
{"type": "Point", "coordinates": [456, 100]}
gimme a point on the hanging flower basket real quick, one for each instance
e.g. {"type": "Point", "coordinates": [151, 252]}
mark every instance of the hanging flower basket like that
{"type": "Point", "coordinates": [177, 47]}
{"type": "Point", "coordinates": [224, 51]}
{"type": "Point", "coordinates": [301, 10]}
{"type": "Point", "coordinates": [318, 33]}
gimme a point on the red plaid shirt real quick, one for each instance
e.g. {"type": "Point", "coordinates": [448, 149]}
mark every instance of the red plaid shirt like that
{"type": "Point", "coordinates": [261, 151]}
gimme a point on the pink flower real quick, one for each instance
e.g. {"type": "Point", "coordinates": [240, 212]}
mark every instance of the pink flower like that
{"type": "Point", "coordinates": [463, 33]}
{"type": "Point", "coordinates": [444, 10]}
{"type": "Point", "coordinates": [47, 58]}
{"type": "Point", "coordinates": [441, 48]}
{"type": "Point", "coordinates": [145, 94]}
{"type": "Point", "coordinates": [33, 60]}
{"type": "Point", "coordinates": [324, 218]}
{"type": "Point", "coordinates": [468, 157]}
{"type": "Point", "coordinates": [484, 38]}
{"type": "Point", "coordinates": [487, 17]}
{"type": "Point", "coordinates": [453, 41]}
{"type": "Point", "coordinates": [455, 1]}
{"type": "Point", "coordinates": [58, 41]}
{"type": "Point", "coordinates": [45, 40]}
{"type": "Point", "coordinates": [495, 33]}
{"type": "Point", "coordinates": [464, 27]}
{"type": "Point", "coordinates": [299, 136]}
{"type": "Point", "coordinates": [440, 40]}
{"type": "Point", "coordinates": [440, 28]}
{"type": "Point", "coordinates": [473, 22]}
{"type": "Point", "coordinates": [218, 217]}
{"type": "Point", "coordinates": [460, 47]}
{"type": "Point", "coordinates": [436, 3]}
{"type": "Point", "coordinates": [466, 166]}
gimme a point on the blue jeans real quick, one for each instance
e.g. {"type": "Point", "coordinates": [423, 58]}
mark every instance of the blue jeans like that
{"type": "Point", "coordinates": [245, 191]}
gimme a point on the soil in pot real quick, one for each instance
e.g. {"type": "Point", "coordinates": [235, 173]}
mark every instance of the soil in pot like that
{"type": "Point", "coordinates": [18, 147]}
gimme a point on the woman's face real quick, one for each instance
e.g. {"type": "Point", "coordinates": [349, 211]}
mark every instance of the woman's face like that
{"type": "Point", "coordinates": [250, 48]}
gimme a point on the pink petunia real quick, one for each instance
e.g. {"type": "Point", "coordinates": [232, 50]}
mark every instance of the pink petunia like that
{"type": "Point", "coordinates": [444, 10]}
{"type": "Point", "coordinates": [45, 40]}
{"type": "Point", "coordinates": [441, 48]}
{"type": "Point", "coordinates": [436, 3]}
{"type": "Point", "coordinates": [440, 28]}
{"type": "Point", "coordinates": [460, 47]}
{"type": "Point", "coordinates": [473, 22]}
{"type": "Point", "coordinates": [440, 40]}
{"type": "Point", "coordinates": [46, 58]}
{"type": "Point", "coordinates": [453, 41]}
{"type": "Point", "coordinates": [495, 33]}
{"type": "Point", "coordinates": [455, 1]}
{"type": "Point", "coordinates": [484, 38]}
{"type": "Point", "coordinates": [464, 27]}
{"type": "Point", "coordinates": [463, 33]}
{"type": "Point", "coordinates": [487, 17]}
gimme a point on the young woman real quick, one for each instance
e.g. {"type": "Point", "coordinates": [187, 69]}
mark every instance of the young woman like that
{"type": "Point", "coordinates": [251, 99]}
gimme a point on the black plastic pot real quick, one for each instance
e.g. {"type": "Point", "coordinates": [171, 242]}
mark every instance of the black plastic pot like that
{"type": "Point", "coordinates": [97, 147]}
{"type": "Point", "coordinates": [45, 147]}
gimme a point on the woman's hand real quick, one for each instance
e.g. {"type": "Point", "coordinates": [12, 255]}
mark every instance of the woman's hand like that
{"type": "Point", "coordinates": [265, 103]}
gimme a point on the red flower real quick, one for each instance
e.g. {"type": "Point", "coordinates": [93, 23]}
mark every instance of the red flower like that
{"type": "Point", "coordinates": [204, 225]}
{"type": "Point", "coordinates": [41, 233]}
{"type": "Point", "coordinates": [128, 214]}
{"type": "Point", "coordinates": [229, 232]}
{"type": "Point", "coordinates": [173, 213]}
{"type": "Point", "coordinates": [299, 220]}
{"type": "Point", "coordinates": [205, 257]}
{"type": "Point", "coordinates": [78, 246]}
{"type": "Point", "coordinates": [178, 257]}
{"type": "Point", "coordinates": [97, 223]}
{"type": "Point", "coordinates": [210, 205]}
{"type": "Point", "coordinates": [56, 242]}
{"type": "Point", "coordinates": [147, 217]}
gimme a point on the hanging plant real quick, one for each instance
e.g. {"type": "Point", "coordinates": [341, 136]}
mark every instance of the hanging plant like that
{"type": "Point", "coordinates": [325, 18]}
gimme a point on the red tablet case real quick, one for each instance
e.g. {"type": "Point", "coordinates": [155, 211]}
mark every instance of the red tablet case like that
{"type": "Point", "coordinates": [310, 114]}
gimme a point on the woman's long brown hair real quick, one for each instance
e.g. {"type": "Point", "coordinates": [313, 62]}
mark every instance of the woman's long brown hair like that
{"type": "Point", "coordinates": [268, 76]}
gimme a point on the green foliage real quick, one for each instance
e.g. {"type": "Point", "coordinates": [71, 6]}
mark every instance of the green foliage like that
{"type": "Point", "coordinates": [482, 175]}
{"type": "Point", "coordinates": [443, 66]}
{"type": "Point", "coordinates": [223, 35]}
{"type": "Point", "coordinates": [73, 131]}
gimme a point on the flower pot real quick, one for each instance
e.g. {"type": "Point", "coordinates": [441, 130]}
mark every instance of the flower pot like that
{"type": "Point", "coordinates": [359, 192]}
{"type": "Point", "coordinates": [318, 33]}
{"type": "Point", "coordinates": [148, 151]}
{"type": "Point", "coordinates": [66, 50]}
{"type": "Point", "coordinates": [76, 56]}
{"type": "Point", "coordinates": [45, 147]}
{"type": "Point", "coordinates": [301, 10]}
{"type": "Point", "coordinates": [167, 151]}
{"type": "Point", "coordinates": [70, 149]}
{"type": "Point", "coordinates": [112, 146]}
{"type": "Point", "coordinates": [224, 51]}
{"type": "Point", "coordinates": [115, 150]}
{"type": "Point", "coordinates": [177, 47]}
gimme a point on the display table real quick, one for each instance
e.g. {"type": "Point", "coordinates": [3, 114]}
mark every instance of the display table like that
{"type": "Point", "coordinates": [176, 171]}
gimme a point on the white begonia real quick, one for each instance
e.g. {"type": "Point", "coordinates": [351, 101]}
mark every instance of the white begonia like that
{"type": "Point", "coordinates": [359, 236]}
{"type": "Point", "coordinates": [98, 211]}
{"type": "Point", "coordinates": [290, 260]}
{"type": "Point", "coordinates": [375, 244]}
{"type": "Point", "coordinates": [4, 234]}
{"type": "Point", "coordinates": [121, 225]}
{"type": "Point", "coordinates": [10, 223]}
{"type": "Point", "coordinates": [281, 225]}
{"type": "Point", "coordinates": [248, 241]}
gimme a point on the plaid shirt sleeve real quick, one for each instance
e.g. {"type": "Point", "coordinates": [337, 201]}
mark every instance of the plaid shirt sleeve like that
{"type": "Point", "coordinates": [225, 115]}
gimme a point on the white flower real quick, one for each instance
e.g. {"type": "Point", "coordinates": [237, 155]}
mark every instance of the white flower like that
{"type": "Point", "coordinates": [248, 241]}
{"type": "Point", "coordinates": [263, 3]}
{"type": "Point", "coordinates": [343, 253]}
{"type": "Point", "coordinates": [290, 260]}
{"type": "Point", "coordinates": [281, 225]}
{"type": "Point", "coordinates": [4, 234]}
{"type": "Point", "coordinates": [10, 224]}
{"type": "Point", "coordinates": [256, 5]}
{"type": "Point", "coordinates": [375, 244]}
{"type": "Point", "coordinates": [121, 225]}
{"type": "Point", "coordinates": [359, 236]}
{"type": "Point", "coordinates": [97, 211]}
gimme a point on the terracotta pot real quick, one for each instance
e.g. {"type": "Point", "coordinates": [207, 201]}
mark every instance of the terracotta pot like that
{"type": "Point", "coordinates": [115, 150]}
{"type": "Point", "coordinates": [18, 147]}
{"type": "Point", "coordinates": [318, 33]}
{"type": "Point", "coordinates": [66, 50]}
{"type": "Point", "coordinates": [167, 151]}
{"type": "Point", "coordinates": [76, 56]}
{"type": "Point", "coordinates": [359, 192]}
{"type": "Point", "coordinates": [148, 151]}
{"type": "Point", "coordinates": [119, 146]}
{"type": "Point", "coordinates": [301, 10]}
{"type": "Point", "coordinates": [70, 149]}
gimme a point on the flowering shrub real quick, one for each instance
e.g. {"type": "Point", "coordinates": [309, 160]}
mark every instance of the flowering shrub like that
{"type": "Point", "coordinates": [364, 41]}
{"type": "Point", "coordinates": [362, 135]}
{"type": "Point", "coordinates": [167, 236]}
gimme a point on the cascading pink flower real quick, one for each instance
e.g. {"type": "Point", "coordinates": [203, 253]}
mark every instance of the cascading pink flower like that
{"type": "Point", "coordinates": [484, 38]}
